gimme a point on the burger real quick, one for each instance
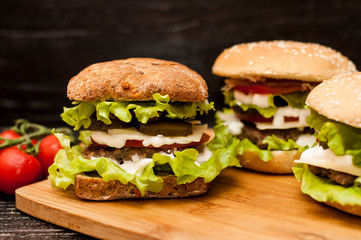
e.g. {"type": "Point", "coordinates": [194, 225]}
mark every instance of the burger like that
{"type": "Point", "coordinates": [144, 139]}
{"type": "Point", "coordinates": [265, 89]}
{"type": "Point", "coordinates": [330, 172]}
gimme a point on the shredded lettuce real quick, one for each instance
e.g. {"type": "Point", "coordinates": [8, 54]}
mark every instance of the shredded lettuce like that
{"type": "Point", "coordinates": [294, 100]}
{"type": "Point", "coordinates": [342, 139]}
{"type": "Point", "coordinates": [69, 162]}
{"type": "Point", "coordinates": [322, 190]}
{"type": "Point", "coordinates": [79, 115]}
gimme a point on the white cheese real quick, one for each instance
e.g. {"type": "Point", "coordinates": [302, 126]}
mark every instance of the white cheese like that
{"type": "Point", "coordinates": [260, 100]}
{"type": "Point", "coordinates": [232, 122]}
{"type": "Point", "coordinates": [306, 140]}
{"type": "Point", "coordinates": [117, 137]}
{"type": "Point", "coordinates": [325, 158]}
{"type": "Point", "coordinates": [279, 119]}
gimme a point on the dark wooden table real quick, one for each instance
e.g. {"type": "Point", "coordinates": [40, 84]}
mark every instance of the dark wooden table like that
{"type": "Point", "coordinates": [17, 225]}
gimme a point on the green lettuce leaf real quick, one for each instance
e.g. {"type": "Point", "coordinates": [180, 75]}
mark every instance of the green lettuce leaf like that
{"type": "Point", "coordinates": [322, 190]}
{"type": "Point", "coordinates": [79, 115]}
{"type": "Point", "coordinates": [69, 162]}
{"type": "Point", "coordinates": [224, 145]}
{"type": "Point", "coordinates": [274, 144]}
{"type": "Point", "coordinates": [234, 146]}
{"type": "Point", "coordinates": [294, 100]}
{"type": "Point", "coordinates": [342, 139]}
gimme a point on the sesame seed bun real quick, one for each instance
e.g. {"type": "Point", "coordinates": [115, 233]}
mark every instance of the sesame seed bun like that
{"type": "Point", "coordinates": [137, 79]}
{"type": "Point", "coordinates": [339, 99]}
{"type": "Point", "coordinates": [282, 60]}
{"type": "Point", "coordinates": [281, 163]}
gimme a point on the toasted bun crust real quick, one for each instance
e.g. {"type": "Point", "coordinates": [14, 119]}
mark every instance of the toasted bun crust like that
{"type": "Point", "coordinates": [339, 98]}
{"type": "Point", "coordinates": [353, 209]}
{"type": "Point", "coordinates": [281, 163]}
{"type": "Point", "coordinates": [282, 60]}
{"type": "Point", "coordinates": [95, 188]}
{"type": "Point", "coordinates": [137, 79]}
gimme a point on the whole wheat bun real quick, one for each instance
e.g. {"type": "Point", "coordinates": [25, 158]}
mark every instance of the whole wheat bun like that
{"type": "Point", "coordinates": [95, 188]}
{"type": "Point", "coordinates": [338, 98]}
{"type": "Point", "coordinates": [137, 79]}
{"type": "Point", "coordinates": [282, 60]}
{"type": "Point", "coordinates": [281, 163]}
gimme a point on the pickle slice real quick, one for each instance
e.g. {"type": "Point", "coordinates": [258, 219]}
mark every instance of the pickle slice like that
{"type": "Point", "coordinates": [166, 128]}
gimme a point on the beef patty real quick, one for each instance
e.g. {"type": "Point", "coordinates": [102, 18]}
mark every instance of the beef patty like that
{"type": "Point", "coordinates": [341, 178]}
{"type": "Point", "coordinates": [257, 136]}
{"type": "Point", "coordinates": [126, 153]}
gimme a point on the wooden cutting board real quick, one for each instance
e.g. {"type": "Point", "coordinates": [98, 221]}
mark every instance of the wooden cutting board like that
{"type": "Point", "coordinates": [240, 205]}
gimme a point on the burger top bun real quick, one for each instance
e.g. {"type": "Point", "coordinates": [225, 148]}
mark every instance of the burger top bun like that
{"type": "Point", "coordinates": [338, 98]}
{"type": "Point", "coordinates": [282, 60]}
{"type": "Point", "coordinates": [137, 79]}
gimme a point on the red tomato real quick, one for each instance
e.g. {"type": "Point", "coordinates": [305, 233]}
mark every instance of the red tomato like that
{"type": "Point", "coordinates": [269, 87]}
{"type": "Point", "coordinates": [9, 134]}
{"type": "Point", "coordinates": [139, 143]}
{"type": "Point", "coordinates": [23, 147]}
{"type": "Point", "coordinates": [17, 169]}
{"type": "Point", "coordinates": [48, 148]}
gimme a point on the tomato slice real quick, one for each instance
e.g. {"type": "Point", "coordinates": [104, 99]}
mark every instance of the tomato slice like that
{"type": "Point", "coordinates": [139, 143]}
{"type": "Point", "coordinates": [270, 86]}
{"type": "Point", "coordinates": [267, 90]}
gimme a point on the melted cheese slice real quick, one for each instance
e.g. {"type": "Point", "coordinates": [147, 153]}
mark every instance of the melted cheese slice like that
{"type": "Point", "coordinates": [325, 158]}
{"type": "Point", "coordinates": [279, 119]}
{"type": "Point", "coordinates": [117, 137]}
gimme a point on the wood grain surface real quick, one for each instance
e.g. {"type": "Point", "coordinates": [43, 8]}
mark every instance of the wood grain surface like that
{"type": "Point", "coordinates": [240, 205]}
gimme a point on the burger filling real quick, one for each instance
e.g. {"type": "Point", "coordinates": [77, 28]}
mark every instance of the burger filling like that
{"type": "Point", "coordinates": [324, 163]}
{"type": "Point", "coordinates": [268, 108]}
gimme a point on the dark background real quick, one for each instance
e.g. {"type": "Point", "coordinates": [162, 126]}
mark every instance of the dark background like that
{"type": "Point", "coordinates": [43, 43]}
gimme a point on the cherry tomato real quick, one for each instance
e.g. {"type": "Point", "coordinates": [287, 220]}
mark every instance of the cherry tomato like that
{"type": "Point", "coordinates": [9, 134]}
{"type": "Point", "coordinates": [23, 147]}
{"type": "Point", "coordinates": [139, 143]}
{"type": "Point", "coordinates": [48, 148]}
{"type": "Point", "coordinates": [17, 169]}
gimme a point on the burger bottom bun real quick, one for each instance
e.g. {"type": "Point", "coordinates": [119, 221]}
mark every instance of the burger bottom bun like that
{"type": "Point", "coordinates": [97, 189]}
{"type": "Point", "coordinates": [353, 209]}
{"type": "Point", "coordinates": [281, 163]}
